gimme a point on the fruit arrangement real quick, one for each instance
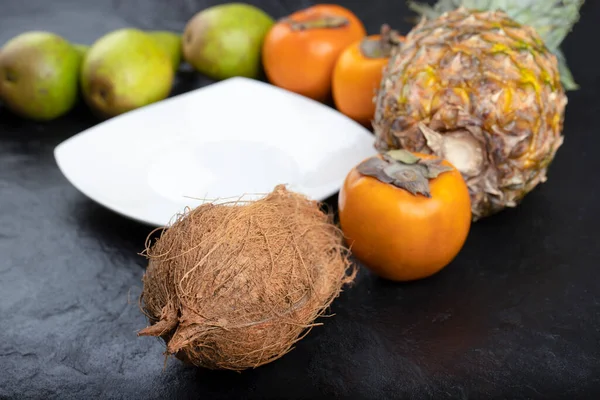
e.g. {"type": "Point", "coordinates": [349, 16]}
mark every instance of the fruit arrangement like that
{"type": "Point", "coordinates": [43, 75]}
{"type": "Point", "coordinates": [467, 111]}
{"type": "Point", "coordinates": [491, 102]}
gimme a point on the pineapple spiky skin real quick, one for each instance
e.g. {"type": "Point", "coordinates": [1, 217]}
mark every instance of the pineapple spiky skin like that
{"type": "Point", "coordinates": [482, 91]}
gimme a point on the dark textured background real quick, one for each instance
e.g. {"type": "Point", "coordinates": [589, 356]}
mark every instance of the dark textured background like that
{"type": "Point", "coordinates": [515, 316]}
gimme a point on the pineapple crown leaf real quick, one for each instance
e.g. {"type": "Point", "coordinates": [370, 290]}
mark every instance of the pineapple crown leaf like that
{"type": "Point", "coordinates": [552, 20]}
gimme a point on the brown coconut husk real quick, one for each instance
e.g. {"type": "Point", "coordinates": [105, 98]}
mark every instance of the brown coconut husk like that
{"type": "Point", "coordinates": [234, 286]}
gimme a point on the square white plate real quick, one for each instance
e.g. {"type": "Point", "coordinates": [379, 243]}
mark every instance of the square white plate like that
{"type": "Point", "coordinates": [232, 138]}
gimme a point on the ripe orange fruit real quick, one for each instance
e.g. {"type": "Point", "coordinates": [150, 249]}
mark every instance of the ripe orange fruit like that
{"type": "Point", "coordinates": [357, 74]}
{"type": "Point", "coordinates": [299, 51]}
{"type": "Point", "coordinates": [403, 222]}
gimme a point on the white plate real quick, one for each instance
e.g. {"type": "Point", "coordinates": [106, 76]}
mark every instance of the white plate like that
{"type": "Point", "coordinates": [228, 139]}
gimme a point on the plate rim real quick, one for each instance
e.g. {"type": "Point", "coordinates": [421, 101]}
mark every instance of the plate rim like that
{"type": "Point", "coordinates": [146, 219]}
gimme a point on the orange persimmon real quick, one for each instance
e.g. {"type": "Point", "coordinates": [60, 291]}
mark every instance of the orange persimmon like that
{"type": "Point", "coordinates": [357, 74]}
{"type": "Point", "coordinates": [299, 51]}
{"type": "Point", "coordinates": [405, 215]}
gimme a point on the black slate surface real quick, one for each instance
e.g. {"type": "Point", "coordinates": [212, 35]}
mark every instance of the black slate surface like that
{"type": "Point", "coordinates": [516, 315]}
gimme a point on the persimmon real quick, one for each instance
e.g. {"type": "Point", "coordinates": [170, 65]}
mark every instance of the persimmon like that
{"type": "Point", "coordinates": [299, 52]}
{"type": "Point", "coordinates": [358, 71]}
{"type": "Point", "coordinates": [405, 215]}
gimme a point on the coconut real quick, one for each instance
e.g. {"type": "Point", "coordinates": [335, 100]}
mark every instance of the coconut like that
{"type": "Point", "coordinates": [235, 285]}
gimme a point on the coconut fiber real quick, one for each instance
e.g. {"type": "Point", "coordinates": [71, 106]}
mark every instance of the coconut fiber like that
{"type": "Point", "coordinates": [235, 285]}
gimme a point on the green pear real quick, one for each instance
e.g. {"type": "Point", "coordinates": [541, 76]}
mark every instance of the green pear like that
{"type": "Point", "coordinates": [225, 40]}
{"type": "Point", "coordinates": [39, 75]}
{"type": "Point", "coordinates": [124, 70]}
{"type": "Point", "coordinates": [81, 48]}
{"type": "Point", "coordinates": [171, 44]}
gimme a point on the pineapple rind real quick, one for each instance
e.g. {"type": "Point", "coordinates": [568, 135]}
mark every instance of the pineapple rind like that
{"type": "Point", "coordinates": [552, 20]}
{"type": "Point", "coordinates": [476, 73]}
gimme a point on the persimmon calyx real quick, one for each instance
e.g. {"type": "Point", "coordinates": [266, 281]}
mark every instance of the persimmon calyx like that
{"type": "Point", "coordinates": [321, 22]}
{"type": "Point", "coordinates": [404, 170]}
{"type": "Point", "coordinates": [382, 47]}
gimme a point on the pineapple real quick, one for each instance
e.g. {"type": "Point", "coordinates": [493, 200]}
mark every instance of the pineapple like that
{"type": "Point", "coordinates": [481, 90]}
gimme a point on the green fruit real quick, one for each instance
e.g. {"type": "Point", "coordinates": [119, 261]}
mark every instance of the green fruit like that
{"type": "Point", "coordinates": [171, 43]}
{"type": "Point", "coordinates": [82, 49]}
{"type": "Point", "coordinates": [39, 75]}
{"type": "Point", "coordinates": [226, 40]}
{"type": "Point", "coordinates": [124, 70]}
